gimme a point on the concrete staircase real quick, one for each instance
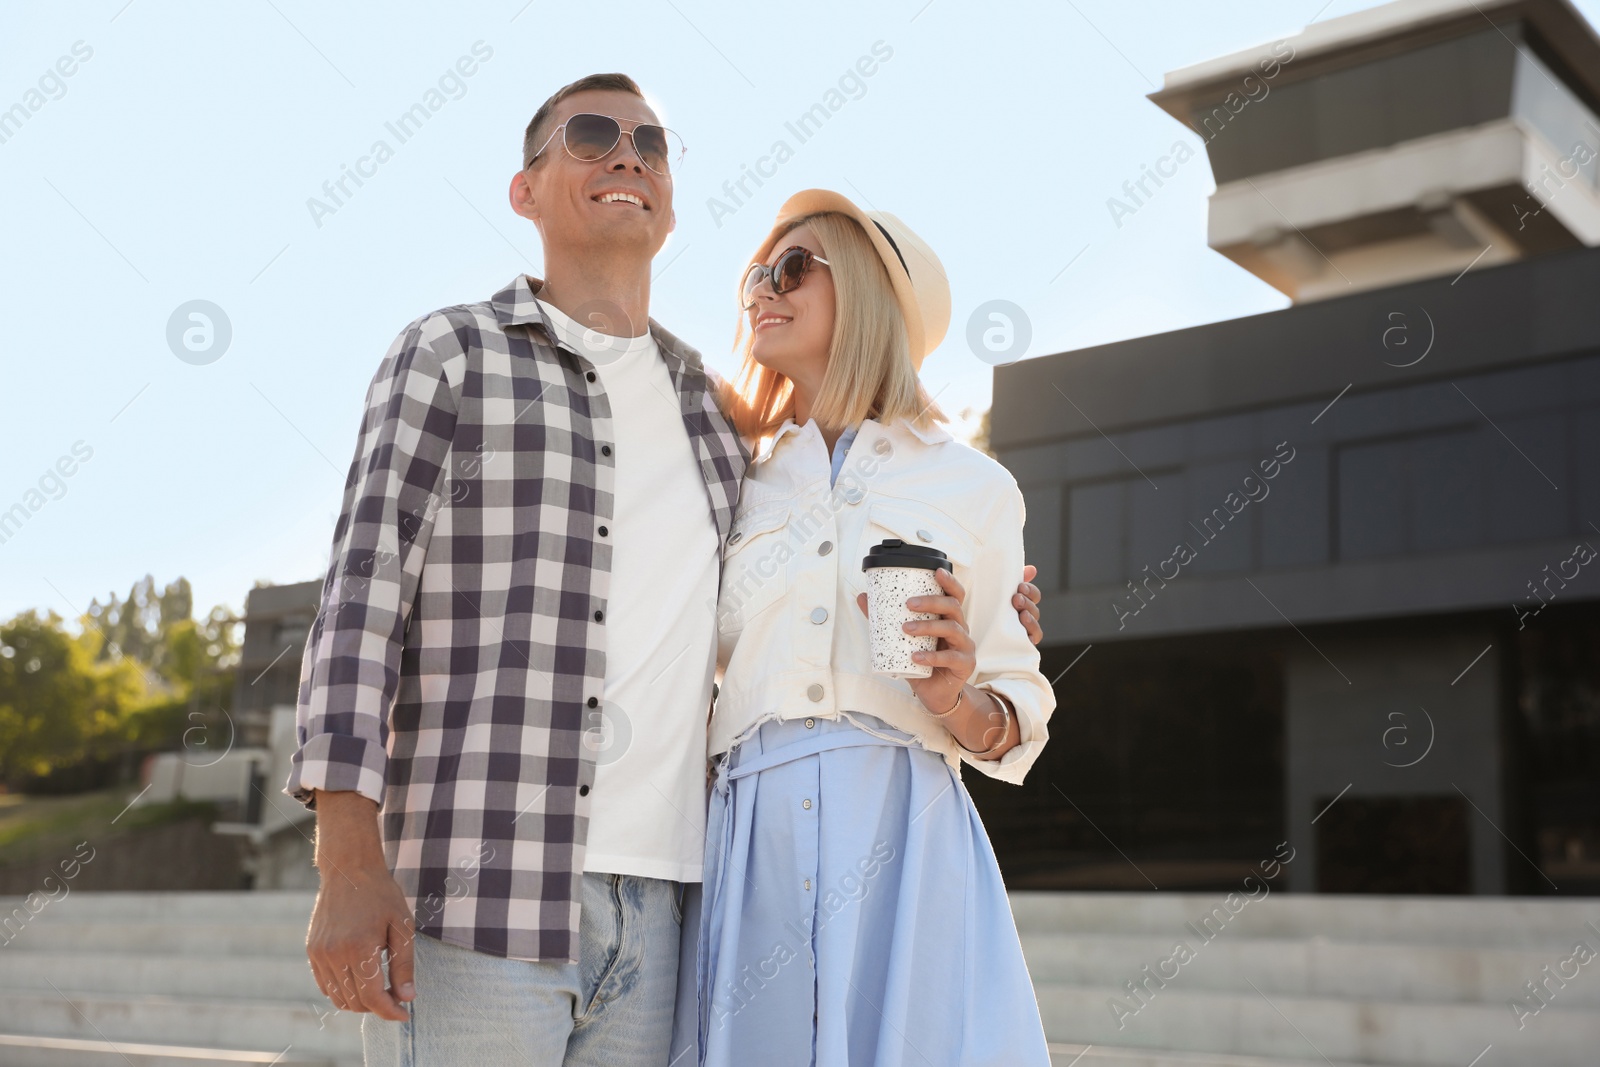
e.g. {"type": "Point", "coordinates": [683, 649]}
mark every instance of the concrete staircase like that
{"type": "Point", "coordinates": [199, 979]}
{"type": "Point", "coordinates": [1297, 981]}
{"type": "Point", "coordinates": [167, 980]}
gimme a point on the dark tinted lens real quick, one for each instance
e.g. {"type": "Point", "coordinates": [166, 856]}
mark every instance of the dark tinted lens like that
{"type": "Point", "coordinates": [591, 136]}
{"type": "Point", "coordinates": [789, 269]}
{"type": "Point", "coordinates": [651, 142]}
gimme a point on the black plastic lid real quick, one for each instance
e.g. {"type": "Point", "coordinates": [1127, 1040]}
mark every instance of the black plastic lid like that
{"type": "Point", "coordinates": [896, 553]}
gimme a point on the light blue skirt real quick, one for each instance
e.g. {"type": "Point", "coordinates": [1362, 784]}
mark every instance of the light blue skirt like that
{"type": "Point", "coordinates": [852, 912]}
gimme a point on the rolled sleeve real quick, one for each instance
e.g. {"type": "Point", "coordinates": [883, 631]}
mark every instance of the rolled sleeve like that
{"type": "Point", "coordinates": [1008, 662]}
{"type": "Point", "coordinates": [351, 666]}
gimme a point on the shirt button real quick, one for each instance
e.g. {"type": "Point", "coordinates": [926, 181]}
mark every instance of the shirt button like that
{"type": "Point", "coordinates": [814, 691]}
{"type": "Point", "coordinates": [603, 531]}
{"type": "Point", "coordinates": [824, 548]}
{"type": "Point", "coordinates": [806, 803]}
{"type": "Point", "coordinates": [808, 883]}
{"type": "Point", "coordinates": [735, 536]}
{"type": "Point", "coordinates": [594, 702]}
{"type": "Point", "coordinates": [605, 450]}
{"type": "Point", "coordinates": [810, 723]}
{"type": "Point", "coordinates": [599, 616]}
{"type": "Point", "coordinates": [924, 535]}
{"type": "Point", "coordinates": [819, 615]}
{"type": "Point", "coordinates": [590, 376]}
{"type": "Point", "coordinates": [583, 790]}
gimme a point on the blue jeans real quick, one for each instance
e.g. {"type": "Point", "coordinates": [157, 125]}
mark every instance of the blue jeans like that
{"type": "Point", "coordinates": [613, 1008]}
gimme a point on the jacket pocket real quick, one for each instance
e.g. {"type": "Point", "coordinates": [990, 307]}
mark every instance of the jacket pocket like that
{"type": "Point", "coordinates": [922, 527]}
{"type": "Point", "coordinates": [755, 566]}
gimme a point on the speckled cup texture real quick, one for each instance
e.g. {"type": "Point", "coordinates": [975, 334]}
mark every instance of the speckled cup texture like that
{"type": "Point", "coordinates": [888, 590]}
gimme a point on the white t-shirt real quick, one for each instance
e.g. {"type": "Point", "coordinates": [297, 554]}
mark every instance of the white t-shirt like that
{"type": "Point", "coordinates": [647, 812]}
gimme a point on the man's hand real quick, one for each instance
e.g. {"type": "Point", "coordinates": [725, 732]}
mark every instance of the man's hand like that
{"type": "Point", "coordinates": [360, 913]}
{"type": "Point", "coordinates": [1027, 604]}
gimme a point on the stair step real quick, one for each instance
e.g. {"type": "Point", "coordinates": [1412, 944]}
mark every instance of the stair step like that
{"type": "Point", "coordinates": [1304, 967]}
{"type": "Point", "coordinates": [1364, 1031]}
{"type": "Point", "coordinates": [174, 937]}
{"type": "Point", "coordinates": [1066, 1054]}
{"type": "Point", "coordinates": [316, 1029]}
{"type": "Point", "coordinates": [264, 906]}
{"type": "Point", "coordinates": [22, 1050]}
{"type": "Point", "coordinates": [1504, 922]}
{"type": "Point", "coordinates": [257, 978]}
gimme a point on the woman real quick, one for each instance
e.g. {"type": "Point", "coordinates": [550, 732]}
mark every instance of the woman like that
{"type": "Point", "coordinates": [852, 909]}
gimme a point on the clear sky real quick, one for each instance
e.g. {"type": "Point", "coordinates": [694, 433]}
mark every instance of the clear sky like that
{"type": "Point", "coordinates": [176, 161]}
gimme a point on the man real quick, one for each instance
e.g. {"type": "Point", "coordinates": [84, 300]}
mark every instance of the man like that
{"type": "Point", "coordinates": [526, 562]}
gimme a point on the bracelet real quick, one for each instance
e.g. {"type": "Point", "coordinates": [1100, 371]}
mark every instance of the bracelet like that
{"type": "Point", "coordinates": [1005, 709]}
{"type": "Point", "coordinates": [946, 714]}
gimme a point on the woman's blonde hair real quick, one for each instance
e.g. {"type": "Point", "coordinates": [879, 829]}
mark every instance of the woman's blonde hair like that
{"type": "Point", "coordinates": [869, 371]}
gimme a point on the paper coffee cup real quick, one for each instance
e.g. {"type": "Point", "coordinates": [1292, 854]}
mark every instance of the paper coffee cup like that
{"type": "Point", "coordinates": [895, 572]}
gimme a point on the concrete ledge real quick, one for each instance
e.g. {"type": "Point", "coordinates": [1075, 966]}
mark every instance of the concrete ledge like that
{"type": "Point", "coordinates": [1482, 922]}
{"type": "Point", "coordinates": [19, 1050]}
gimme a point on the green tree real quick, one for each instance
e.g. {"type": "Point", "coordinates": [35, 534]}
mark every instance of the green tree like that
{"type": "Point", "coordinates": [57, 706]}
{"type": "Point", "coordinates": [157, 628]}
{"type": "Point", "coordinates": [128, 682]}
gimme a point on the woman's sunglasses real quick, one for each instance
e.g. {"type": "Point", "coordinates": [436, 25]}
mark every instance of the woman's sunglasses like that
{"type": "Point", "coordinates": [590, 137]}
{"type": "Point", "coordinates": [785, 275]}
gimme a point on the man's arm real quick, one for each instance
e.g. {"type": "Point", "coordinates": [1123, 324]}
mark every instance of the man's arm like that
{"type": "Point", "coordinates": [351, 669]}
{"type": "Point", "coordinates": [360, 913]}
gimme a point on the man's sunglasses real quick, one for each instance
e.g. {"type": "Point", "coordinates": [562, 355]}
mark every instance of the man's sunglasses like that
{"type": "Point", "coordinates": [590, 137]}
{"type": "Point", "coordinates": [785, 275]}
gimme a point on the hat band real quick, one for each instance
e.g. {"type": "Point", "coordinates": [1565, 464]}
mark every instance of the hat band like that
{"type": "Point", "coordinates": [894, 246]}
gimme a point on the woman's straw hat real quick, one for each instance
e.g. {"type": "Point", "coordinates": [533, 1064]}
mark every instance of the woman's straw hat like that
{"type": "Point", "coordinates": [915, 272]}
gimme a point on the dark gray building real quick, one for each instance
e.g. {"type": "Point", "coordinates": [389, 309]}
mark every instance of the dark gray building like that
{"type": "Point", "coordinates": [277, 621]}
{"type": "Point", "coordinates": [1330, 574]}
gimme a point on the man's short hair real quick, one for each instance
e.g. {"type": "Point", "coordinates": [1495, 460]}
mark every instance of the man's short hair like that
{"type": "Point", "coordinates": [535, 135]}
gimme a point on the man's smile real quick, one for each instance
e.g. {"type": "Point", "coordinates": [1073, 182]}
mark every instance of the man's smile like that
{"type": "Point", "coordinates": [621, 196]}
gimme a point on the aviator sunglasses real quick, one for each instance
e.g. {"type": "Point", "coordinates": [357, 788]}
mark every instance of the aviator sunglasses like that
{"type": "Point", "coordinates": [590, 137]}
{"type": "Point", "coordinates": [785, 275]}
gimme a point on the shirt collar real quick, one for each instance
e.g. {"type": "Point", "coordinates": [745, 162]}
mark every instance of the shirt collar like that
{"type": "Point", "coordinates": [517, 305]}
{"type": "Point", "coordinates": [896, 431]}
{"type": "Point", "coordinates": [789, 427]}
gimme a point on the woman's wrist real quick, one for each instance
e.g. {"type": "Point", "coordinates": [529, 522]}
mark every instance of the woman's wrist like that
{"type": "Point", "coordinates": [987, 721]}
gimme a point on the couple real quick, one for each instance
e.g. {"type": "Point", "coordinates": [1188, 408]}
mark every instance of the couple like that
{"type": "Point", "coordinates": [554, 530]}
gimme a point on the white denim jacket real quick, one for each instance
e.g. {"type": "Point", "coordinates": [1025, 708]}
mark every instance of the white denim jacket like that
{"type": "Point", "coordinates": [792, 643]}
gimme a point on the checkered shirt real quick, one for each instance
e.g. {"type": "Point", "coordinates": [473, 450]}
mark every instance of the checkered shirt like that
{"type": "Point", "coordinates": [459, 653]}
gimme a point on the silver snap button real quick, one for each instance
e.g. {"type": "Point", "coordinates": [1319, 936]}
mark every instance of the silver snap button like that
{"type": "Point", "coordinates": [806, 803]}
{"type": "Point", "coordinates": [735, 536]}
{"type": "Point", "coordinates": [810, 723]}
{"type": "Point", "coordinates": [814, 691]}
{"type": "Point", "coordinates": [824, 548]}
{"type": "Point", "coordinates": [881, 445]}
{"type": "Point", "coordinates": [819, 615]}
{"type": "Point", "coordinates": [924, 535]}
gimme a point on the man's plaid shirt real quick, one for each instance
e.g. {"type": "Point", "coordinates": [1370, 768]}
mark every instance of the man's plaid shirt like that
{"type": "Point", "coordinates": [460, 649]}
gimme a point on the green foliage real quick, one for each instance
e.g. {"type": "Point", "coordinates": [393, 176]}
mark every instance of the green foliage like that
{"type": "Point", "coordinates": [34, 828]}
{"type": "Point", "coordinates": [128, 682]}
{"type": "Point", "coordinates": [157, 629]}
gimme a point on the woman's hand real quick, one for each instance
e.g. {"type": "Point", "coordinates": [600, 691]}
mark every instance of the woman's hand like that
{"type": "Point", "coordinates": [955, 657]}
